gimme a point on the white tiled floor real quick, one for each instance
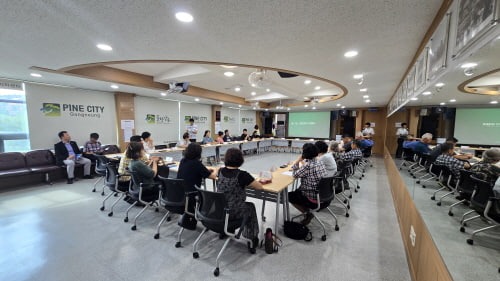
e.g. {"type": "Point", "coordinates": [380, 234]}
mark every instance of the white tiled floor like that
{"type": "Point", "coordinates": [58, 233]}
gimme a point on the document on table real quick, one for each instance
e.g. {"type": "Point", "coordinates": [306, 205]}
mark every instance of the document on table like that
{"type": "Point", "coordinates": [287, 173]}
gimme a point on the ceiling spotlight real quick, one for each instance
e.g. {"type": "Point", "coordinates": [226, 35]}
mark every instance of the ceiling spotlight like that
{"type": "Point", "coordinates": [253, 93]}
{"type": "Point", "coordinates": [288, 108]}
{"type": "Point", "coordinates": [314, 108]}
{"type": "Point", "coordinates": [469, 68]}
{"type": "Point", "coordinates": [254, 108]}
{"type": "Point", "coordinates": [36, 75]}
{"type": "Point", "coordinates": [343, 107]}
{"type": "Point", "coordinates": [468, 65]}
{"type": "Point", "coordinates": [239, 105]}
{"type": "Point", "coordinates": [196, 99]}
{"type": "Point", "coordinates": [426, 93]}
{"type": "Point", "coordinates": [307, 82]}
{"type": "Point", "coordinates": [228, 66]}
{"type": "Point", "coordinates": [104, 47]}
{"type": "Point", "coordinates": [469, 71]}
{"type": "Point", "coordinates": [163, 94]}
{"type": "Point", "coordinates": [414, 99]}
{"type": "Point", "coordinates": [267, 109]}
{"type": "Point", "coordinates": [357, 76]}
{"type": "Point", "coordinates": [306, 105]}
{"type": "Point", "coordinates": [253, 85]}
{"type": "Point", "coordinates": [365, 97]}
{"type": "Point", "coordinates": [351, 54]}
{"type": "Point", "coordinates": [363, 90]}
{"type": "Point", "coordinates": [493, 102]}
{"type": "Point", "coordinates": [237, 88]}
{"type": "Point", "coordinates": [442, 103]}
{"type": "Point", "coordinates": [114, 86]}
{"type": "Point", "coordinates": [268, 90]}
{"type": "Point", "coordinates": [338, 104]}
{"type": "Point", "coordinates": [453, 100]}
{"type": "Point", "coordinates": [317, 88]}
{"type": "Point", "coordinates": [229, 74]}
{"type": "Point", "coordinates": [184, 17]}
{"type": "Point", "coordinates": [367, 101]}
{"type": "Point", "coordinates": [439, 85]}
{"type": "Point", "coordinates": [221, 103]}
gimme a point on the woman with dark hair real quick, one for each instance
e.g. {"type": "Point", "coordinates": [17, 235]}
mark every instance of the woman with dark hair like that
{"type": "Point", "coordinates": [143, 173]}
{"type": "Point", "coordinates": [310, 171]}
{"type": "Point", "coordinates": [207, 138]}
{"type": "Point", "coordinates": [148, 141]}
{"type": "Point", "coordinates": [232, 181]}
{"type": "Point", "coordinates": [326, 158]}
{"type": "Point", "coordinates": [191, 170]}
{"type": "Point", "coordinates": [184, 142]}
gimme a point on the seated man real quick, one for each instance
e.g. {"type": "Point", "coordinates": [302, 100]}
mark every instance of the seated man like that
{"type": "Point", "coordinates": [354, 153]}
{"type": "Point", "coordinates": [409, 139]}
{"type": "Point", "coordinates": [244, 135]}
{"type": "Point", "coordinates": [436, 151]}
{"type": "Point", "coordinates": [364, 142]}
{"type": "Point", "coordinates": [92, 147]}
{"type": "Point", "coordinates": [67, 153]}
{"type": "Point", "coordinates": [125, 161]}
{"type": "Point", "coordinates": [346, 143]}
{"type": "Point", "coordinates": [446, 159]}
{"type": "Point", "coordinates": [421, 146]}
{"type": "Point", "coordinates": [227, 137]}
{"type": "Point", "coordinates": [487, 168]}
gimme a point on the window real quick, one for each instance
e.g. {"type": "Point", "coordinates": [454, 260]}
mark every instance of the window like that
{"type": "Point", "coordinates": [14, 133]}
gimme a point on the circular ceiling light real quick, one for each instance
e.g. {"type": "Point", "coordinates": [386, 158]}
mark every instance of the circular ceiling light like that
{"type": "Point", "coordinates": [305, 105]}
{"type": "Point", "coordinates": [114, 86]}
{"type": "Point", "coordinates": [237, 89]}
{"type": "Point", "coordinates": [426, 93]}
{"type": "Point", "coordinates": [350, 54]}
{"type": "Point", "coordinates": [288, 108]}
{"type": "Point", "coordinates": [36, 75]}
{"type": "Point", "coordinates": [268, 90]}
{"type": "Point", "coordinates": [267, 109]}
{"type": "Point", "coordinates": [367, 101]}
{"type": "Point", "coordinates": [443, 103]}
{"type": "Point", "coordinates": [363, 90]}
{"type": "Point", "coordinates": [163, 94]}
{"type": "Point", "coordinates": [254, 108]}
{"type": "Point", "coordinates": [239, 105]}
{"type": "Point", "coordinates": [357, 76]}
{"type": "Point", "coordinates": [493, 102]}
{"type": "Point", "coordinates": [104, 47]}
{"type": "Point", "coordinates": [253, 93]}
{"type": "Point", "coordinates": [307, 82]}
{"type": "Point", "coordinates": [314, 108]}
{"type": "Point", "coordinates": [221, 103]}
{"type": "Point", "coordinates": [366, 96]}
{"type": "Point", "coordinates": [439, 85]}
{"type": "Point", "coordinates": [184, 17]}
{"type": "Point", "coordinates": [196, 99]}
{"type": "Point", "coordinates": [414, 99]}
{"type": "Point", "coordinates": [229, 74]}
{"type": "Point", "coordinates": [343, 106]}
{"type": "Point", "coordinates": [338, 104]}
{"type": "Point", "coordinates": [453, 100]}
{"type": "Point", "coordinates": [468, 65]}
{"type": "Point", "coordinates": [317, 88]}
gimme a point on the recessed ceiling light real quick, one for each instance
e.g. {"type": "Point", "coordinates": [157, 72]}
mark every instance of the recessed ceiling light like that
{"type": "Point", "coordinates": [426, 93]}
{"type": "Point", "coordinates": [184, 17]}
{"type": "Point", "coordinates": [229, 74]}
{"type": "Point", "coordinates": [114, 86]}
{"type": "Point", "coordinates": [493, 102]}
{"type": "Point", "coordinates": [196, 99]}
{"type": "Point", "coordinates": [163, 94]}
{"type": "Point", "coordinates": [305, 105]}
{"type": "Point", "coordinates": [343, 106]}
{"type": "Point", "coordinates": [221, 103]}
{"type": "Point", "coordinates": [36, 75]}
{"type": "Point", "coordinates": [254, 108]}
{"type": "Point", "coordinates": [307, 82]}
{"type": "Point", "coordinates": [253, 85]}
{"type": "Point", "coordinates": [239, 105]}
{"type": "Point", "coordinates": [350, 54]}
{"type": "Point", "coordinates": [338, 104]}
{"type": "Point", "coordinates": [104, 47]}
{"type": "Point", "coordinates": [268, 90]}
{"type": "Point", "coordinates": [439, 85]}
{"type": "Point", "coordinates": [366, 96]}
{"type": "Point", "coordinates": [228, 66]}
{"type": "Point", "coordinates": [363, 90]}
{"type": "Point", "coordinates": [453, 100]}
{"type": "Point", "coordinates": [267, 109]}
{"type": "Point", "coordinates": [314, 107]}
{"type": "Point", "coordinates": [288, 108]}
{"type": "Point", "coordinates": [253, 93]}
{"type": "Point", "coordinates": [367, 101]}
{"type": "Point", "coordinates": [468, 65]}
{"type": "Point", "coordinates": [317, 88]}
{"type": "Point", "coordinates": [443, 103]}
{"type": "Point", "coordinates": [237, 89]}
{"type": "Point", "coordinates": [414, 99]}
{"type": "Point", "coordinates": [357, 76]}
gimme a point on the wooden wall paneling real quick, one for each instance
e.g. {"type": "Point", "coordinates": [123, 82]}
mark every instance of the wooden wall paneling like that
{"type": "Point", "coordinates": [413, 119]}
{"type": "Point", "coordinates": [125, 110]}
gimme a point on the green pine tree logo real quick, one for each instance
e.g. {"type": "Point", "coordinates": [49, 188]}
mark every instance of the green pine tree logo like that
{"type": "Point", "coordinates": [51, 109]}
{"type": "Point", "coordinates": [150, 118]}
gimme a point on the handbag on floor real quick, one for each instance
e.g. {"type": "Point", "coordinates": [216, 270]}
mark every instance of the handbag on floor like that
{"type": "Point", "coordinates": [297, 231]}
{"type": "Point", "coordinates": [271, 242]}
{"type": "Point", "coordinates": [188, 221]}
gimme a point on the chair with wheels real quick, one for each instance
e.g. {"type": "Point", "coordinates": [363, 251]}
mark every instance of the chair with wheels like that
{"type": "Point", "coordinates": [435, 171]}
{"type": "Point", "coordinates": [143, 194]}
{"type": "Point", "coordinates": [117, 187]}
{"type": "Point", "coordinates": [465, 188]}
{"type": "Point", "coordinates": [444, 181]}
{"type": "Point", "coordinates": [324, 196]}
{"type": "Point", "coordinates": [100, 170]}
{"type": "Point", "coordinates": [408, 158]}
{"type": "Point", "coordinates": [213, 213]}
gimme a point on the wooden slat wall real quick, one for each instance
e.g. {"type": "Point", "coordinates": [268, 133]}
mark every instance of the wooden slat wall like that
{"type": "Point", "coordinates": [125, 110]}
{"type": "Point", "coordinates": [424, 259]}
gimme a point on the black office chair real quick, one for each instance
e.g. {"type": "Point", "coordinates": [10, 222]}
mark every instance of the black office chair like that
{"type": "Point", "coordinates": [325, 194]}
{"type": "Point", "coordinates": [174, 197]}
{"type": "Point", "coordinates": [445, 181]}
{"type": "Point", "coordinates": [213, 213]}
{"type": "Point", "coordinates": [465, 188]}
{"type": "Point", "coordinates": [112, 181]}
{"type": "Point", "coordinates": [100, 170]}
{"type": "Point", "coordinates": [408, 158]}
{"type": "Point", "coordinates": [161, 146]}
{"type": "Point", "coordinates": [435, 171]}
{"type": "Point", "coordinates": [484, 202]}
{"type": "Point", "coordinates": [110, 149]}
{"type": "Point", "coordinates": [144, 194]}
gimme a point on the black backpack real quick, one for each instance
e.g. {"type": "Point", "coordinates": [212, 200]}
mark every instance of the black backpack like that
{"type": "Point", "coordinates": [297, 231]}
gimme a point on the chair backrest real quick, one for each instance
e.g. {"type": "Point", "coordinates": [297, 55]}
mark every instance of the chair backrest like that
{"type": "Point", "coordinates": [12, 160]}
{"type": "Point", "coordinates": [482, 192]}
{"type": "Point", "coordinates": [111, 175]}
{"type": "Point", "coordinates": [466, 184]}
{"type": "Point", "coordinates": [408, 154]}
{"type": "Point", "coordinates": [42, 157]}
{"type": "Point", "coordinates": [367, 151]}
{"type": "Point", "coordinates": [110, 149]}
{"type": "Point", "coordinates": [101, 162]}
{"type": "Point", "coordinates": [212, 207]}
{"type": "Point", "coordinates": [160, 146]}
{"type": "Point", "coordinates": [325, 189]}
{"type": "Point", "coordinates": [173, 191]}
{"type": "Point", "coordinates": [436, 169]}
{"type": "Point", "coordinates": [172, 144]}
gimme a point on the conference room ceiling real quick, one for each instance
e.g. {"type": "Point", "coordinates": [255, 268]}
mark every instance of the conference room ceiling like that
{"type": "Point", "coordinates": [308, 37]}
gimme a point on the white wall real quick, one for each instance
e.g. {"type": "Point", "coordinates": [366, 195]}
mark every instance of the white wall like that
{"type": "Point", "coordinates": [164, 126]}
{"type": "Point", "coordinates": [202, 115]}
{"type": "Point", "coordinates": [230, 121]}
{"type": "Point", "coordinates": [81, 112]}
{"type": "Point", "coordinates": [247, 120]}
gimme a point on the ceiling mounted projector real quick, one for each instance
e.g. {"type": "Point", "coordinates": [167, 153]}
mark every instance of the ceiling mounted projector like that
{"type": "Point", "coordinates": [177, 88]}
{"type": "Point", "coordinates": [258, 79]}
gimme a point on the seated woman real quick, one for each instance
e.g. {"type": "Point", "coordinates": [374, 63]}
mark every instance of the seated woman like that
{"type": "Point", "coordinates": [184, 142]}
{"type": "Point", "coordinates": [191, 170]}
{"type": "Point", "coordinates": [232, 181]}
{"type": "Point", "coordinates": [148, 141]}
{"type": "Point", "coordinates": [326, 158]}
{"type": "Point", "coordinates": [125, 161]}
{"type": "Point", "coordinates": [256, 132]}
{"type": "Point", "coordinates": [207, 138]}
{"type": "Point", "coordinates": [220, 139]}
{"type": "Point", "coordinates": [310, 171]}
{"type": "Point", "coordinates": [142, 172]}
{"type": "Point", "coordinates": [487, 168]}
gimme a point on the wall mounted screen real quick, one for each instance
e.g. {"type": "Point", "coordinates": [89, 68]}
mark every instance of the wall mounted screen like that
{"type": "Point", "coordinates": [309, 124]}
{"type": "Point", "coordinates": [478, 126]}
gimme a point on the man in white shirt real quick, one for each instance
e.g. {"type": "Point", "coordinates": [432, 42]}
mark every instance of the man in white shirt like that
{"type": "Point", "coordinates": [368, 130]}
{"type": "Point", "coordinates": [402, 134]}
{"type": "Point", "coordinates": [192, 130]}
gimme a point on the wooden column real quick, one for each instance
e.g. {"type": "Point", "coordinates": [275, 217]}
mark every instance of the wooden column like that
{"type": "Point", "coordinates": [413, 117]}
{"type": "Point", "coordinates": [125, 110]}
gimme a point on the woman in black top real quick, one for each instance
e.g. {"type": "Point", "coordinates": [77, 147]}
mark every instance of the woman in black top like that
{"type": "Point", "coordinates": [232, 181]}
{"type": "Point", "coordinates": [144, 173]}
{"type": "Point", "coordinates": [191, 170]}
